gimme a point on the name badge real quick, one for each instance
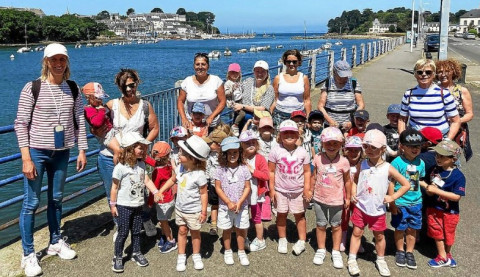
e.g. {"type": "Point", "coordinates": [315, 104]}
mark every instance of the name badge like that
{"type": "Point", "coordinates": [331, 169]}
{"type": "Point", "coordinates": [411, 168]}
{"type": "Point", "coordinates": [438, 181]}
{"type": "Point", "coordinates": [233, 180]}
{"type": "Point", "coordinates": [353, 169]}
{"type": "Point", "coordinates": [395, 136]}
{"type": "Point", "coordinates": [196, 129]}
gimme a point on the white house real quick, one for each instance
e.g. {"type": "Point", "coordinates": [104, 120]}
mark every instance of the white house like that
{"type": "Point", "coordinates": [471, 17]}
{"type": "Point", "coordinates": [377, 27]}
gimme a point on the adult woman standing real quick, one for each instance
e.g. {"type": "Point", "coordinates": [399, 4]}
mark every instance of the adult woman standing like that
{"type": "Point", "coordinates": [49, 119]}
{"type": "Point", "coordinates": [448, 72]}
{"type": "Point", "coordinates": [341, 96]}
{"type": "Point", "coordinates": [292, 89]}
{"type": "Point", "coordinates": [427, 104]}
{"type": "Point", "coordinates": [257, 91]}
{"type": "Point", "coordinates": [129, 114]}
{"type": "Point", "coordinates": [201, 87]}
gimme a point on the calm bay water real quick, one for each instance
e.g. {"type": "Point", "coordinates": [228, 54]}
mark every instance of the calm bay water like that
{"type": "Point", "coordinates": [160, 65]}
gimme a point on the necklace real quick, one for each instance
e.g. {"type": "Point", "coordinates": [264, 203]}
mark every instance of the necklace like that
{"type": "Point", "coordinates": [373, 168]}
{"type": "Point", "coordinates": [232, 172]}
{"type": "Point", "coordinates": [331, 160]}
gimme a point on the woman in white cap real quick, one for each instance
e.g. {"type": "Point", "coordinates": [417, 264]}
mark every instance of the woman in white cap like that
{"type": "Point", "coordinates": [257, 91]}
{"type": "Point", "coordinates": [49, 121]}
{"type": "Point", "coordinates": [292, 89]}
{"type": "Point", "coordinates": [341, 96]}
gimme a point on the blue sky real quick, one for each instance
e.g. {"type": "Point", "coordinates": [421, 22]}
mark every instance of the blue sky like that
{"type": "Point", "coordinates": [242, 15]}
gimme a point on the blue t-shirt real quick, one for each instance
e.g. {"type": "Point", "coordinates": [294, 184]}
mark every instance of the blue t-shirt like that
{"type": "Point", "coordinates": [316, 142]}
{"type": "Point", "coordinates": [413, 171]}
{"type": "Point", "coordinates": [454, 182]}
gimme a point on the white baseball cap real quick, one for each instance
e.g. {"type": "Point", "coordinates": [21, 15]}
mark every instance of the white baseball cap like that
{"type": "Point", "coordinates": [55, 49]}
{"type": "Point", "coordinates": [131, 138]}
{"type": "Point", "coordinates": [288, 125]}
{"type": "Point", "coordinates": [261, 63]}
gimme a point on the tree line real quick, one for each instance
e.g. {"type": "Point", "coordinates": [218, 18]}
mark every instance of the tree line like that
{"type": "Point", "coordinates": [356, 22]}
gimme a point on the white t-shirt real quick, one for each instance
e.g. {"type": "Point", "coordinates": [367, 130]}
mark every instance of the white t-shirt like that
{"type": "Point", "coordinates": [372, 188]}
{"type": "Point", "coordinates": [205, 93]}
{"type": "Point", "coordinates": [266, 146]}
{"type": "Point", "coordinates": [188, 190]}
{"type": "Point", "coordinates": [132, 184]}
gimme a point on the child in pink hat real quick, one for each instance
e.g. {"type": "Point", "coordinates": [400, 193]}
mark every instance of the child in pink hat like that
{"type": "Point", "coordinates": [233, 94]}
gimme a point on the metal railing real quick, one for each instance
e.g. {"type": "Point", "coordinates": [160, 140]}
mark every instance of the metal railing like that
{"type": "Point", "coordinates": [317, 67]}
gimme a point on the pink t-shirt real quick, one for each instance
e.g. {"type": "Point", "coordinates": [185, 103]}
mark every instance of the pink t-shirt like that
{"type": "Point", "coordinates": [329, 183]}
{"type": "Point", "coordinates": [289, 168]}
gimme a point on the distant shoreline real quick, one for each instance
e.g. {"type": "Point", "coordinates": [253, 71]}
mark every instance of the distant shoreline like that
{"type": "Point", "coordinates": [339, 36]}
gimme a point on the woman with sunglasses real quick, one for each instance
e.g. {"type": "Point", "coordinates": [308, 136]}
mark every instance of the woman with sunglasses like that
{"type": "Point", "coordinates": [204, 88]}
{"type": "Point", "coordinates": [428, 104]}
{"type": "Point", "coordinates": [292, 89]}
{"type": "Point", "coordinates": [448, 72]}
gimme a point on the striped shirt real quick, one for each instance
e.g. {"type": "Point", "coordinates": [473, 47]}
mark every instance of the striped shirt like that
{"type": "Point", "coordinates": [427, 107]}
{"type": "Point", "coordinates": [341, 101]}
{"type": "Point", "coordinates": [36, 130]}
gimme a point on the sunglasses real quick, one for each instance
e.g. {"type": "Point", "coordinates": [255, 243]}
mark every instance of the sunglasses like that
{"type": "Point", "coordinates": [291, 62]}
{"type": "Point", "coordinates": [131, 85]}
{"type": "Point", "coordinates": [201, 54]}
{"type": "Point", "coordinates": [367, 146]}
{"type": "Point", "coordinates": [427, 72]}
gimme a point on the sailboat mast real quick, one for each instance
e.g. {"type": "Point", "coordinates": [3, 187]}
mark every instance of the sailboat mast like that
{"type": "Point", "coordinates": [26, 37]}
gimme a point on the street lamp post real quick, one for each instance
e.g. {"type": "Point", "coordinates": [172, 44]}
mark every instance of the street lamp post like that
{"type": "Point", "coordinates": [412, 33]}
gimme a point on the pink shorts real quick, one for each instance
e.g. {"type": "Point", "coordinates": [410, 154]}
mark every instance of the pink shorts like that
{"type": "Point", "coordinates": [375, 223]}
{"type": "Point", "coordinates": [289, 202]}
{"type": "Point", "coordinates": [256, 212]}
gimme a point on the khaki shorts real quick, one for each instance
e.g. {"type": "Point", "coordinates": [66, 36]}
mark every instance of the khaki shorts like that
{"type": "Point", "coordinates": [191, 220]}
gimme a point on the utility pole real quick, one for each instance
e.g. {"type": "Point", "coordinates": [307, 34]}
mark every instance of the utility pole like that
{"type": "Point", "coordinates": [444, 22]}
{"type": "Point", "coordinates": [412, 33]}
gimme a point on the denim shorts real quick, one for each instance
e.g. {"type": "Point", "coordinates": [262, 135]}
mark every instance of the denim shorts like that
{"type": "Point", "coordinates": [408, 217]}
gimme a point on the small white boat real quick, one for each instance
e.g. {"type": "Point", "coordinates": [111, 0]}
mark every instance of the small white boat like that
{"type": "Point", "coordinates": [89, 45]}
{"type": "Point", "coordinates": [12, 57]}
{"type": "Point", "coordinates": [39, 48]}
{"type": "Point", "coordinates": [24, 50]}
{"type": "Point", "coordinates": [243, 50]}
{"type": "Point", "coordinates": [227, 52]}
{"type": "Point", "coordinates": [279, 46]}
{"type": "Point", "coordinates": [327, 45]}
{"type": "Point", "coordinates": [253, 49]}
{"type": "Point", "coordinates": [338, 43]}
{"type": "Point", "coordinates": [215, 54]}
{"type": "Point", "coordinates": [97, 44]}
{"type": "Point", "coordinates": [78, 45]}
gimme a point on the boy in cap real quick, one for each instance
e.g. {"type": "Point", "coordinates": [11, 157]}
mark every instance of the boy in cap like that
{"type": "Point", "coordinates": [447, 188]}
{"type": "Point", "coordinates": [305, 138]}
{"type": "Point", "coordinates": [177, 134]}
{"type": "Point", "coordinates": [315, 125]}
{"type": "Point", "coordinates": [391, 130]}
{"type": "Point", "coordinates": [213, 140]}
{"type": "Point", "coordinates": [98, 115]}
{"type": "Point", "coordinates": [407, 209]}
{"type": "Point", "coordinates": [199, 126]}
{"type": "Point", "coordinates": [360, 120]}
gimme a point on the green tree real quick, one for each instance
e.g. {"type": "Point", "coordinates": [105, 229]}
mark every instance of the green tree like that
{"type": "Point", "coordinates": [191, 16]}
{"type": "Point", "coordinates": [103, 15]}
{"type": "Point", "coordinates": [156, 10]}
{"type": "Point", "coordinates": [391, 29]}
{"type": "Point", "coordinates": [181, 11]}
{"type": "Point", "coordinates": [206, 17]}
{"type": "Point", "coordinates": [130, 11]}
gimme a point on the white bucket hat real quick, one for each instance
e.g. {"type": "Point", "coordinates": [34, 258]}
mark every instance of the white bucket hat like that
{"type": "Point", "coordinates": [131, 138]}
{"type": "Point", "coordinates": [196, 147]}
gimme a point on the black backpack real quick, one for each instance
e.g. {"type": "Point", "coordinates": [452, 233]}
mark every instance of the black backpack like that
{"type": "Point", "coordinates": [354, 84]}
{"type": "Point", "coordinates": [36, 84]}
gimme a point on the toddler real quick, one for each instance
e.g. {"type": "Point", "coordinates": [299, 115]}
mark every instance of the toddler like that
{"type": "Point", "coordinates": [315, 125]}
{"type": "Point", "coordinates": [98, 115]}
{"type": "Point", "coordinates": [330, 179]}
{"type": "Point", "coordinates": [447, 188]}
{"type": "Point", "coordinates": [199, 126]}
{"type": "Point", "coordinates": [407, 210]}
{"type": "Point", "coordinates": [162, 171]}
{"type": "Point", "coordinates": [234, 94]}
{"type": "Point", "coordinates": [391, 131]}
{"type": "Point", "coordinates": [258, 167]}
{"type": "Point", "coordinates": [360, 120]}
{"type": "Point", "coordinates": [178, 133]}
{"type": "Point", "coordinates": [192, 197]}
{"type": "Point", "coordinates": [289, 167]}
{"type": "Point", "coordinates": [127, 197]}
{"type": "Point", "coordinates": [305, 139]}
{"type": "Point", "coordinates": [232, 183]}
{"type": "Point", "coordinates": [369, 196]}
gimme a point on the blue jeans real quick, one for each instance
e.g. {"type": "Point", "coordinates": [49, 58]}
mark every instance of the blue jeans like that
{"type": "Point", "coordinates": [105, 169]}
{"type": "Point", "coordinates": [55, 163]}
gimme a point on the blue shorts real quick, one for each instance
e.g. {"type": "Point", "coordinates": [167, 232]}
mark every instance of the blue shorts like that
{"type": "Point", "coordinates": [408, 217]}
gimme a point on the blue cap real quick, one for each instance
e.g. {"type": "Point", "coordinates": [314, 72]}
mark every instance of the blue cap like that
{"type": "Point", "coordinates": [394, 108]}
{"type": "Point", "coordinates": [230, 143]}
{"type": "Point", "coordinates": [198, 107]}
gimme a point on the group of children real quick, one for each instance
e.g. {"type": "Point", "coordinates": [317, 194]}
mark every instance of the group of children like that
{"type": "Point", "coordinates": [354, 176]}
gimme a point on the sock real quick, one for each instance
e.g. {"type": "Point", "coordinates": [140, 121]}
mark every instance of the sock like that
{"type": "Point", "coordinates": [380, 258]}
{"type": "Point", "coordinates": [335, 252]}
{"type": "Point", "coordinates": [302, 241]}
{"type": "Point", "coordinates": [213, 224]}
{"type": "Point", "coordinates": [352, 257]}
{"type": "Point", "coordinates": [323, 250]}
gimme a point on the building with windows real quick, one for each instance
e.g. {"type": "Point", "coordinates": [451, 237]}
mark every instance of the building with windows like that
{"type": "Point", "coordinates": [378, 27]}
{"type": "Point", "coordinates": [470, 20]}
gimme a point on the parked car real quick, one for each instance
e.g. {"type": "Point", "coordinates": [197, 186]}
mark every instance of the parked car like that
{"type": "Point", "coordinates": [432, 43]}
{"type": "Point", "coordinates": [468, 36]}
{"type": "Point", "coordinates": [458, 35]}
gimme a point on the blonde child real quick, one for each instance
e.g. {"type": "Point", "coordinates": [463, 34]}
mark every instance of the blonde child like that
{"type": "Point", "coordinates": [370, 197]}
{"type": "Point", "coordinates": [98, 115]}
{"type": "Point", "coordinates": [232, 183]}
{"type": "Point", "coordinates": [331, 180]}
{"type": "Point", "coordinates": [258, 167]}
{"type": "Point", "coordinates": [199, 126]}
{"type": "Point", "coordinates": [162, 171]}
{"type": "Point", "coordinates": [289, 167]}
{"type": "Point", "coordinates": [192, 197]}
{"type": "Point", "coordinates": [353, 151]}
{"type": "Point", "coordinates": [127, 196]}
{"type": "Point", "coordinates": [253, 123]}
{"type": "Point", "coordinates": [177, 134]}
{"type": "Point", "coordinates": [234, 94]}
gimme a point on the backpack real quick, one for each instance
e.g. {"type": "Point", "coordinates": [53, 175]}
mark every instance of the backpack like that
{"type": "Point", "coordinates": [36, 84]}
{"type": "Point", "coordinates": [354, 84]}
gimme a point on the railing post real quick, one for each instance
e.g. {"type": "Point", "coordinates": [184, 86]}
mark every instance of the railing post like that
{"type": "Point", "coordinates": [374, 49]}
{"type": "Point", "coordinates": [354, 56]}
{"type": "Point", "coordinates": [344, 54]}
{"type": "Point", "coordinates": [280, 69]}
{"type": "Point", "coordinates": [369, 51]}
{"type": "Point", "coordinates": [331, 61]}
{"type": "Point", "coordinates": [362, 53]}
{"type": "Point", "coordinates": [313, 72]}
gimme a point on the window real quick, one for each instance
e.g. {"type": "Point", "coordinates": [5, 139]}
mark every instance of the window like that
{"type": "Point", "coordinates": [465, 22]}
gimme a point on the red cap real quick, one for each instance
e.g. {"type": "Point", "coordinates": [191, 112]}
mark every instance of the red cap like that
{"type": "Point", "coordinates": [432, 134]}
{"type": "Point", "coordinates": [298, 113]}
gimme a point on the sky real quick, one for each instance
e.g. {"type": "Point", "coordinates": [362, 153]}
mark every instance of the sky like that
{"type": "Point", "coordinates": [243, 15]}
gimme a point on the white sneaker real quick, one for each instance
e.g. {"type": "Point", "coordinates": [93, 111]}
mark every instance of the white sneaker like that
{"type": "Point", "coordinates": [337, 260]}
{"type": "Point", "coordinates": [353, 268]}
{"type": "Point", "coordinates": [30, 265]}
{"type": "Point", "coordinates": [228, 257]}
{"type": "Point", "coordinates": [257, 245]}
{"type": "Point", "coordinates": [243, 258]}
{"type": "Point", "coordinates": [299, 247]}
{"type": "Point", "coordinates": [150, 229]}
{"type": "Point", "coordinates": [62, 249]}
{"type": "Point", "coordinates": [382, 267]}
{"type": "Point", "coordinates": [319, 256]}
{"type": "Point", "coordinates": [282, 246]}
{"type": "Point", "coordinates": [197, 261]}
{"type": "Point", "coordinates": [181, 260]}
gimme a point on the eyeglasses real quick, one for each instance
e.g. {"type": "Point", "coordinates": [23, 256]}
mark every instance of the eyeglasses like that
{"type": "Point", "coordinates": [367, 146]}
{"type": "Point", "coordinates": [291, 62]}
{"type": "Point", "coordinates": [201, 54]}
{"type": "Point", "coordinates": [131, 85]}
{"type": "Point", "coordinates": [427, 72]}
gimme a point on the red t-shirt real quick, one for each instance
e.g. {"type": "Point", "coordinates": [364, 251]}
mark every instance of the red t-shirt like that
{"type": "Point", "coordinates": [160, 176]}
{"type": "Point", "coordinates": [354, 132]}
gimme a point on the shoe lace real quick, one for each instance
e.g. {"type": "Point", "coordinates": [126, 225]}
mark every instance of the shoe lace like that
{"type": "Point", "coordinates": [63, 242]}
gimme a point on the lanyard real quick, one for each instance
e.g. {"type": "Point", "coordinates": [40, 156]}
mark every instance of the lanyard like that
{"type": "Point", "coordinates": [233, 172]}
{"type": "Point", "coordinates": [57, 107]}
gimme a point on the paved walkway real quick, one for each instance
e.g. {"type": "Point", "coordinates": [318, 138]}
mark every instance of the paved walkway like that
{"type": "Point", "coordinates": [383, 81]}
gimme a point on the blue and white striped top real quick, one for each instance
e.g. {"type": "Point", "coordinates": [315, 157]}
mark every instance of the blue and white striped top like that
{"type": "Point", "coordinates": [427, 107]}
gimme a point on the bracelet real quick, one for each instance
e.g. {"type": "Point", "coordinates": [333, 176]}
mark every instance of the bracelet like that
{"type": "Point", "coordinates": [113, 203]}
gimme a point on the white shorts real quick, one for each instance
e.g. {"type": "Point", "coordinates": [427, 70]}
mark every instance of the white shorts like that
{"type": "Point", "coordinates": [228, 219]}
{"type": "Point", "coordinates": [108, 137]}
{"type": "Point", "coordinates": [165, 210]}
